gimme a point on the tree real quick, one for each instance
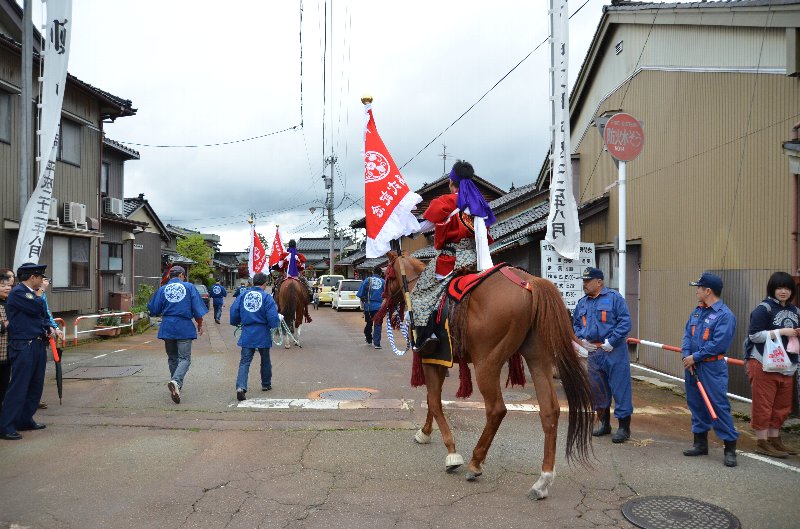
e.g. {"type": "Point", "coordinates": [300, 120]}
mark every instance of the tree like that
{"type": "Point", "coordinates": [195, 248]}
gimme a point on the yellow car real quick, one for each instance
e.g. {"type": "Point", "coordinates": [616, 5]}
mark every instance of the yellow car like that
{"type": "Point", "coordinates": [323, 286]}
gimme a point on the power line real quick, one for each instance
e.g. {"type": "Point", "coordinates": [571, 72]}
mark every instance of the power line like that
{"type": "Point", "coordinates": [217, 144]}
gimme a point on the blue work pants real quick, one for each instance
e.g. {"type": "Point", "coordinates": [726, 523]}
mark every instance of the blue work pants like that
{"type": "Point", "coordinates": [244, 367]}
{"type": "Point", "coordinates": [610, 376]}
{"type": "Point", "coordinates": [217, 312]}
{"type": "Point", "coordinates": [372, 331]}
{"type": "Point", "coordinates": [179, 358]}
{"type": "Point", "coordinates": [714, 376]}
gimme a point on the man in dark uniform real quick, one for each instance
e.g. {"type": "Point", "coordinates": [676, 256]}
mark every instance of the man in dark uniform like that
{"type": "Point", "coordinates": [28, 328]}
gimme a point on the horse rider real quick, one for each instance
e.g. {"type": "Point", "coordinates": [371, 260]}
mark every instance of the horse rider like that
{"type": "Point", "coordinates": [602, 322]}
{"type": "Point", "coordinates": [292, 263]}
{"type": "Point", "coordinates": [708, 335]}
{"type": "Point", "coordinates": [459, 221]}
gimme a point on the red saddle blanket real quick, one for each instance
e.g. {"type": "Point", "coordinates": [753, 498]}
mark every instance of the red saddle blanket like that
{"type": "Point", "coordinates": [463, 285]}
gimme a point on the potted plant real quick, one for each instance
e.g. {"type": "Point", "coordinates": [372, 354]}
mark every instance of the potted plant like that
{"type": "Point", "coordinates": [106, 326]}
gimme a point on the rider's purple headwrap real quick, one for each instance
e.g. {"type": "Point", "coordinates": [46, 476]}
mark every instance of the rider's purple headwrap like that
{"type": "Point", "coordinates": [470, 197]}
{"type": "Point", "coordinates": [292, 271]}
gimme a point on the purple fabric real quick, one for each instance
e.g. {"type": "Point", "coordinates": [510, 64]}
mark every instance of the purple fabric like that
{"type": "Point", "coordinates": [293, 263]}
{"type": "Point", "coordinates": [470, 197]}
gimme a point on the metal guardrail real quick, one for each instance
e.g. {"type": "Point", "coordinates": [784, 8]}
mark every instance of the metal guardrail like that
{"type": "Point", "coordinates": [106, 315]}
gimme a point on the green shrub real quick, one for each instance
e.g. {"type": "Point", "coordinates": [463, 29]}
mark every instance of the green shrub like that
{"type": "Point", "coordinates": [143, 295]}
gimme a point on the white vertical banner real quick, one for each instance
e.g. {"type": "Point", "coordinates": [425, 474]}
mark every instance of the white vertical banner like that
{"type": "Point", "coordinates": [33, 224]}
{"type": "Point", "coordinates": [563, 229]}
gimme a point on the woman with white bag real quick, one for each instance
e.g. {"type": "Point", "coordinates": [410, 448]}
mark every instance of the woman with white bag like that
{"type": "Point", "coordinates": [773, 339]}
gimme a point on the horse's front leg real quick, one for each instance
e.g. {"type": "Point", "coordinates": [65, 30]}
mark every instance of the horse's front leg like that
{"type": "Point", "coordinates": [423, 435]}
{"type": "Point", "coordinates": [488, 380]}
{"type": "Point", "coordinates": [434, 378]}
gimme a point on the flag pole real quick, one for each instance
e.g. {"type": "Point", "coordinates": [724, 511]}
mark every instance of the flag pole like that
{"type": "Point", "coordinates": [406, 294]}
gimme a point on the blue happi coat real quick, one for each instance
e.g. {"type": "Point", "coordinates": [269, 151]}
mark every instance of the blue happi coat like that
{"type": "Point", "coordinates": [218, 294]}
{"type": "Point", "coordinates": [257, 313]}
{"type": "Point", "coordinates": [179, 303]}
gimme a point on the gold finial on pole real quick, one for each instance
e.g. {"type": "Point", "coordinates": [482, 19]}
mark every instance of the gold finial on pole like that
{"type": "Point", "coordinates": [366, 98]}
{"type": "Point", "coordinates": [250, 219]}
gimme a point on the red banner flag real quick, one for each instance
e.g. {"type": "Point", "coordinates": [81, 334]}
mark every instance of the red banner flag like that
{"type": "Point", "coordinates": [258, 256]}
{"type": "Point", "coordinates": [388, 201]}
{"type": "Point", "coordinates": [277, 249]}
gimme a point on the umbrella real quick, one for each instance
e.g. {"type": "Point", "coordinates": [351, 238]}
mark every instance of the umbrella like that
{"type": "Point", "coordinates": [59, 376]}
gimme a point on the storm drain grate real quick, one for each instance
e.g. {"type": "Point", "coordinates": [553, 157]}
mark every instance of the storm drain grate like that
{"type": "Point", "coordinates": [345, 394]}
{"type": "Point", "coordinates": [103, 372]}
{"type": "Point", "coordinates": [673, 512]}
{"type": "Point", "coordinates": [515, 396]}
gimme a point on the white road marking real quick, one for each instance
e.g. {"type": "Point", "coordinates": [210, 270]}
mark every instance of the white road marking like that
{"type": "Point", "coordinates": [764, 459]}
{"type": "Point", "coordinates": [101, 356]}
{"type": "Point", "coordinates": [119, 350]}
{"type": "Point", "coordinates": [321, 404]}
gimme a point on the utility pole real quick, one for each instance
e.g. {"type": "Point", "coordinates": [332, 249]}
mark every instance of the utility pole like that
{"type": "Point", "coordinates": [330, 160]}
{"type": "Point", "coordinates": [444, 156]}
{"type": "Point", "coordinates": [25, 106]}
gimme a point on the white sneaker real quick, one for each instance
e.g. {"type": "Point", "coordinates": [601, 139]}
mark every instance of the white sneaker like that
{"type": "Point", "coordinates": [174, 391]}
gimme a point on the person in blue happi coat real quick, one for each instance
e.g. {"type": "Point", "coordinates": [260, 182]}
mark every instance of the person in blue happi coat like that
{"type": "Point", "coordinates": [706, 338]}
{"type": "Point", "coordinates": [218, 294]}
{"type": "Point", "coordinates": [257, 313]}
{"type": "Point", "coordinates": [179, 303]}
{"type": "Point", "coordinates": [371, 295]}
{"type": "Point", "coordinates": [602, 321]}
{"type": "Point", "coordinates": [28, 330]}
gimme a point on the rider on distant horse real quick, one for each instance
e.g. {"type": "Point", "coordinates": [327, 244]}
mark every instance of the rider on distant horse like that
{"type": "Point", "coordinates": [292, 263]}
{"type": "Point", "coordinates": [460, 220]}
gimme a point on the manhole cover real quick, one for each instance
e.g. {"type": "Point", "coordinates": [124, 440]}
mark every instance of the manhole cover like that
{"type": "Point", "coordinates": [675, 512]}
{"type": "Point", "coordinates": [345, 394]}
{"type": "Point", "coordinates": [103, 372]}
{"type": "Point", "coordinates": [515, 396]}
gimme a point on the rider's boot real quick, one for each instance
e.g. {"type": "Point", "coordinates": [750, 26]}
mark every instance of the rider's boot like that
{"type": "Point", "coordinates": [426, 344]}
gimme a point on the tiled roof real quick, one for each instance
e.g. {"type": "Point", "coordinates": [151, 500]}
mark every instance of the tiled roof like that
{"type": "Point", "coordinates": [121, 148]}
{"type": "Point", "coordinates": [352, 258]}
{"type": "Point", "coordinates": [177, 258]}
{"type": "Point", "coordinates": [130, 205]}
{"type": "Point", "coordinates": [727, 4]}
{"type": "Point", "coordinates": [519, 192]}
{"type": "Point", "coordinates": [369, 264]}
{"type": "Point", "coordinates": [312, 244]}
{"type": "Point", "coordinates": [504, 228]}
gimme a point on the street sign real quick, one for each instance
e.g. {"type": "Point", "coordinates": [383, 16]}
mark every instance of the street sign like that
{"type": "Point", "coordinates": [624, 137]}
{"type": "Point", "coordinates": [566, 273]}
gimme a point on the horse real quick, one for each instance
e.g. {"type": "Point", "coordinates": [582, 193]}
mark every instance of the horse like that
{"type": "Point", "coordinates": [292, 303]}
{"type": "Point", "coordinates": [488, 327]}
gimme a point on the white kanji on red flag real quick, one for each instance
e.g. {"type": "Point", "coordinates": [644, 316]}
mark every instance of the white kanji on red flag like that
{"type": "Point", "coordinates": [277, 249]}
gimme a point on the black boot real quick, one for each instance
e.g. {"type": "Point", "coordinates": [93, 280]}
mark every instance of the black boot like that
{"type": "Point", "coordinates": [700, 447]}
{"type": "Point", "coordinates": [426, 344]}
{"type": "Point", "coordinates": [730, 453]}
{"type": "Point", "coordinates": [604, 426]}
{"type": "Point", "coordinates": [624, 430]}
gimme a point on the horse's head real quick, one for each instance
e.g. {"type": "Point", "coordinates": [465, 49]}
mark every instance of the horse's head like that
{"type": "Point", "coordinates": [394, 273]}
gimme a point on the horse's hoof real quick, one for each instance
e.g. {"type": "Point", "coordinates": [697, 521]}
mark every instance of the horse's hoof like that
{"type": "Point", "coordinates": [473, 476]}
{"type": "Point", "coordinates": [421, 438]}
{"type": "Point", "coordinates": [540, 491]}
{"type": "Point", "coordinates": [453, 461]}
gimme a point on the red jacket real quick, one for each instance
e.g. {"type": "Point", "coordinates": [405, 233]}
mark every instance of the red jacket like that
{"type": "Point", "coordinates": [283, 262]}
{"type": "Point", "coordinates": [450, 229]}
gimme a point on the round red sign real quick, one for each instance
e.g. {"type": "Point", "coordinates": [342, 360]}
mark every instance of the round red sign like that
{"type": "Point", "coordinates": [624, 137]}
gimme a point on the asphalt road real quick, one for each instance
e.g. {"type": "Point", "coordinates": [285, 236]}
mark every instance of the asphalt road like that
{"type": "Point", "coordinates": [119, 453]}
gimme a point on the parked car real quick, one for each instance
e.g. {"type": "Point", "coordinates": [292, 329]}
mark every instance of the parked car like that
{"type": "Point", "coordinates": [344, 295]}
{"type": "Point", "coordinates": [203, 294]}
{"type": "Point", "coordinates": [323, 286]}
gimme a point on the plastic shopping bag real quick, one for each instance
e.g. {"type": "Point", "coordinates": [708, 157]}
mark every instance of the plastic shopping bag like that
{"type": "Point", "coordinates": [775, 358]}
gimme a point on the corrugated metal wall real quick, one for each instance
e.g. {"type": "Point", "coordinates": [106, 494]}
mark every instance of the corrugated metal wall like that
{"type": "Point", "coordinates": [710, 191]}
{"type": "Point", "coordinates": [147, 261]}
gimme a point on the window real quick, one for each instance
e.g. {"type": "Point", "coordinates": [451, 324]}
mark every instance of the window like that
{"type": "Point", "coordinates": [69, 145]}
{"type": "Point", "coordinates": [5, 117]}
{"type": "Point", "coordinates": [110, 257]}
{"type": "Point", "coordinates": [608, 262]}
{"type": "Point", "coordinates": [104, 168]}
{"type": "Point", "coordinates": [71, 262]}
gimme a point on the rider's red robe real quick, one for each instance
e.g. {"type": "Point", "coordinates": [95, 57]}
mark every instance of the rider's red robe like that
{"type": "Point", "coordinates": [451, 227]}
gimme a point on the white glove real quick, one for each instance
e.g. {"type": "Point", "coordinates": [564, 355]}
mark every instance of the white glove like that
{"type": "Point", "coordinates": [280, 316]}
{"type": "Point", "coordinates": [582, 352]}
{"type": "Point", "coordinates": [607, 347]}
{"type": "Point", "coordinates": [588, 345]}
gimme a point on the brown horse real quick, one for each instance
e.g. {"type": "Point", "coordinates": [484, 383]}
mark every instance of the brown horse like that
{"type": "Point", "coordinates": [292, 302]}
{"type": "Point", "coordinates": [501, 319]}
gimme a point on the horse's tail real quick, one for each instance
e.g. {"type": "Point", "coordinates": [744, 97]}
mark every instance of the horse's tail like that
{"type": "Point", "coordinates": [551, 320]}
{"type": "Point", "coordinates": [288, 304]}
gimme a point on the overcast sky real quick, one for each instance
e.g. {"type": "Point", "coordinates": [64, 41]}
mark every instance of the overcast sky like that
{"type": "Point", "coordinates": [202, 72]}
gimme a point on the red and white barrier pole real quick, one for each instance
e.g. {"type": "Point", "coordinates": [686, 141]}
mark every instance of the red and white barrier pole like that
{"type": "Point", "coordinates": [734, 361]}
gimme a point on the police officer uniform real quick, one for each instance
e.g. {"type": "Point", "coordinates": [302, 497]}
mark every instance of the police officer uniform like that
{"type": "Point", "coordinates": [218, 294]}
{"type": "Point", "coordinates": [602, 323]}
{"type": "Point", "coordinates": [29, 326]}
{"type": "Point", "coordinates": [257, 313]}
{"type": "Point", "coordinates": [179, 303]}
{"type": "Point", "coordinates": [707, 336]}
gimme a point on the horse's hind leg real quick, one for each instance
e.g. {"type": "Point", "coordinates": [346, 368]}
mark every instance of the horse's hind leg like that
{"type": "Point", "coordinates": [549, 411]}
{"type": "Point", "coordinates": [489, 386]}
{"type": "Point", "coordinates": [434, 378]}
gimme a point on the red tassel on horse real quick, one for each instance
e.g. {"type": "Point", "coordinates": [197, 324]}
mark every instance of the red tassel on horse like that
{"type": "Point", "coordinates": [465, 380]}
{"type": "Point", "coordinates": [516, 371]}
{"type": "Point", "coordinates": [417, 375]}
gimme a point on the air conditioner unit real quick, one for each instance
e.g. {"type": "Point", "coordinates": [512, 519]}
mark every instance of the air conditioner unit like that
{"type": "Point", "coordinates": [75, 213]}
{"type": "Point", "coordinates": [52, 217]}
{"type": "Point", "coordinates": [113, 206]}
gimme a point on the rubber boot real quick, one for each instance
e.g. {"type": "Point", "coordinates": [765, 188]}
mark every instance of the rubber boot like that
{"type": "Point", "coordinates": [700, 447]}
{"type": "Point", "coordinates": [777, 443]}
{"type": "Point", "coordinates": [624, 431]}
{"type": "Point", "coordinates": [730, 453]}
{"type": "Point", "coordinates": [604, 422]}
{"type": "Point", "coordinates": [766, 448]}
